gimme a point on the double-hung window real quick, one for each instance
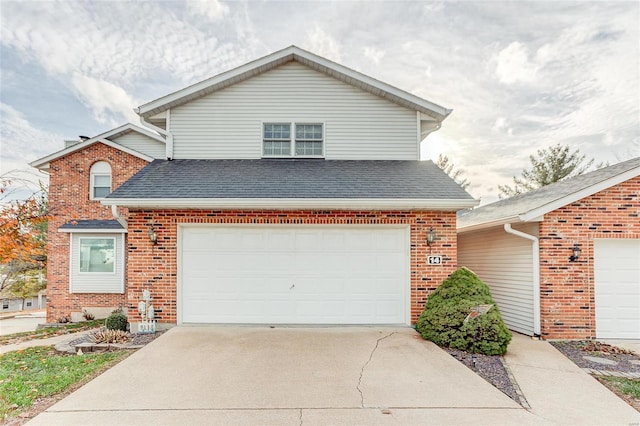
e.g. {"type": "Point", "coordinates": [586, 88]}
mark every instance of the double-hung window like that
{"type": "Point", "coordinates": [100, 180]}
{"type": "Point", "coordinates": [292, 140]}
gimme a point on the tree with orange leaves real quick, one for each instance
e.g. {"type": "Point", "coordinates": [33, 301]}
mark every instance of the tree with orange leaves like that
{"type": "Point", "coordinates": [23, 237]}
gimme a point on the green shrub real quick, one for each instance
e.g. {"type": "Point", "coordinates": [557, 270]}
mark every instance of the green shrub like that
{"type": "Point", "coordinates": [442, 320]}
{"type": "Point", "coordinates": [116, 321]}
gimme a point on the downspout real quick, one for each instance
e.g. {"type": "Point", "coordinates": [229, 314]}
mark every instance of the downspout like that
{"type": "Point", "coordinates": [536, 273]}
{"type": "Point", "coordinates": [166, 133]}
{"type": "Point", "coordinates": [121, 221]}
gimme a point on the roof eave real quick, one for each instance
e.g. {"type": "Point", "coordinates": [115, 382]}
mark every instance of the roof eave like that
{"type": "Point", "coordinates": [294, 203]}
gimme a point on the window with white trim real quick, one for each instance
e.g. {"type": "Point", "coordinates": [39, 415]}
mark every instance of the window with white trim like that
{"type": "Point", "coordinates": [100, 180]}
{"type": "Point", "coordinates": [277, 140]}
{"type": "Point", "coordinates": [97, 255]}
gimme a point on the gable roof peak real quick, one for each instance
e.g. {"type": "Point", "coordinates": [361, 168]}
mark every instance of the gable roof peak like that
{"type": "Point", "coordinates": [283, 56]}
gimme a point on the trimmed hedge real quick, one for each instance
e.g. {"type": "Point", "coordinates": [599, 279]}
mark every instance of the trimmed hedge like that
{"type": "Point", "coordinates": [442, 320]}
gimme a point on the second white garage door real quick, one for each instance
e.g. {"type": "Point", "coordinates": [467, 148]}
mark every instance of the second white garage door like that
{"type": "Point", "coordinates": [276, 274]}
{"type": "Point", "coordinates": [617, 288]}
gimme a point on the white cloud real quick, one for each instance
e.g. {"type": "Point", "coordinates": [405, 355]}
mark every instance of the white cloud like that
{"type": "Point", "coordinates": [513, 65]}
{"type": "Point", "coordinates": [21, 144]}
{"type": "Point", "coordinates": [322, 43]}
{"type": "Point", "coordinates": [110, 104]}
{"type": "Point", "coordinates": [374, 54]}
{"type": "Point", "coordinates": [212, 9]}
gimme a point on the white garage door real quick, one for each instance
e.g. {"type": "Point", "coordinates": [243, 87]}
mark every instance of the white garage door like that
{"type": "Point", "coordinates": [293, 274]}
{"type": "Point", "coordinates": [617, 288]}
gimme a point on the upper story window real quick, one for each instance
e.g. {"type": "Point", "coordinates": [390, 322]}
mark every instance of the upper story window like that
{"type": "Point", "coordinates": [100, 180]}
{"type": "Point", "coordinates": [277, 140]}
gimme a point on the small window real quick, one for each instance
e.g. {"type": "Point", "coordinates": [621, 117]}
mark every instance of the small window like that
{"type": "Point", "coordinates": [97, 255]}
{"type": "Point", "coordinates": [28, 304]}
{"type": "Point", "coordinates": [5, 305]}
{"type": "Point", "coordinates": [277, 140]}
{"type": "Point", "coordinates": [309, 139]}
{"type": "Point", "coordinates": [100, 180]}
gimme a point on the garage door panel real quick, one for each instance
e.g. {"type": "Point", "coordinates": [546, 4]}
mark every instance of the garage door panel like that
{"type": "Point", "coordinates": [272, 274]}
{"type": "Point", "coordinates": [617, 288]}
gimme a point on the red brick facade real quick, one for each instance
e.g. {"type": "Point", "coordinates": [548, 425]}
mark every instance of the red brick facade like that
{"type": "Point", "coordinates": [69, 200]}
{"type": "Point", "coordinates": [567, 288]}
{"type": "Point", "coordinates": [155, 267]}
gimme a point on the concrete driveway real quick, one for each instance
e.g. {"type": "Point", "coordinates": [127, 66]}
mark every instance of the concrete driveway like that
{"type": "Point", "coordinates": [22, 322]}
{"type": "Point", "coordinates": [287, 376]}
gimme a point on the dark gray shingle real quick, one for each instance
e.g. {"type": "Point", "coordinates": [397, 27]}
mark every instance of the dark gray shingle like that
{"type": "Point", "coordinates": [284, 178]}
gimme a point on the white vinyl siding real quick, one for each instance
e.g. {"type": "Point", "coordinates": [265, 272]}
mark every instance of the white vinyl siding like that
{"type": "Point", "coordinates": [142, 143]}
{"type": "Point", "coordinates": [357, 124]}
{"type": "Point", "coordinates": [81, 281]}
{"type": "Point", "coordinates": [505, 263]}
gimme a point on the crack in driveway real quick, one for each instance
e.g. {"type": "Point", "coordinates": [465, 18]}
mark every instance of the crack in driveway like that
{"type": "Point", "coordinates": [367, 363]}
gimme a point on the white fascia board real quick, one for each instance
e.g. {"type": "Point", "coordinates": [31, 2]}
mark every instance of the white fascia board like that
{"type": "Point", "coordinates": [93, 231]}
{"type": "Point", "coordinates": [126, 128]}
{"type": "Point", "coordinates": [43, 162]}
{"type": "Point", "coordinates": [271, 61]}
{"type": "Point", "coordinates": [293, 203]}
{"type": "Point", "coordinates": [499, 222]}
{"type": "Point", "coordinates": [531, 215]}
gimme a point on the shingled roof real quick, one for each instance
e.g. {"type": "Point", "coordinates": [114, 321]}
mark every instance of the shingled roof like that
{"type": "Point", "coordinates": [191, 182]}
{"type": "Point", "coordinates": [531, 205]}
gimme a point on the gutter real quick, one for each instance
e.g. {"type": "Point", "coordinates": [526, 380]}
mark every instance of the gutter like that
{"type": "Point", "coordinates": [292, 203]}
{"type": "Point", "coordinates": [121, 221]}
{"type": "Point", "coordinates": [536, 273]}
{"type": "Point", "coordinates": [166, 133]}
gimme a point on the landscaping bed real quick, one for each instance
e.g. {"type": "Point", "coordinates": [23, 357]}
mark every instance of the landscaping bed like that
{"type": "Point", "coordinates": [47, 332]}
{"type": "Point", "coordinates": [609, 359]}
{"type": "Point", "coordinates": [489, 367]}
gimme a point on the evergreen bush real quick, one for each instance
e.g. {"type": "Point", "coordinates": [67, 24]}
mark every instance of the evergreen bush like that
{"type": "Point", "coordinates": [116, 321]}
{"type": "Point", "coordinates": [442, 320]}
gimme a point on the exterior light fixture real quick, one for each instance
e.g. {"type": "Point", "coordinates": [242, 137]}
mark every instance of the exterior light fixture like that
{"type": "Point", "coordinates": [153, 235]}
{"type": "Point", "coordinates": [576, 253]}
{"type": "Point", "coordinates": [431, 236]}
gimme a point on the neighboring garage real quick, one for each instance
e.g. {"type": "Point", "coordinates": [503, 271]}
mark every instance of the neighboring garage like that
{"type": "Point", "coordinates": [278, 274]}
{"type": "Point", "coordinates": [617, 288]}
{"type": "Point", "coordinates": [563, 261]}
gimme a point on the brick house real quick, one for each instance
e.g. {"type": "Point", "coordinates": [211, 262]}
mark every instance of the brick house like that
{"type": "Point", "coordinates": [287, 190]}
{"type": "Point", "coordinates": [563, 261]}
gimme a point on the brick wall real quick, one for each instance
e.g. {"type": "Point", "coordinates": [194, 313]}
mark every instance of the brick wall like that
{"type": "Point", "coordinates": [155, 268]}
{"type": "Point", "coordinates": [69, 200]}
{"type": "Point", "coordinates": [567, 288]}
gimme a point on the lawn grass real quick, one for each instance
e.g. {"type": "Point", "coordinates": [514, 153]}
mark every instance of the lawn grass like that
{"type": "Point", "coordinates": [38, 372]}
{"type": "Point", "coordinates": [629, 387]}
{"type": "Point", "coordinates": [43, 333]}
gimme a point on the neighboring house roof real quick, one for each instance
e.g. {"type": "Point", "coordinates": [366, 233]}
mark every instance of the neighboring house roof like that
{"type": "Point", "coordinates": [43, 163]}
{"type": "Point", "coordinates": [276, 59]}
{"type": "Point", "coordinates": [531, 206]}
{"type": "Point", "coordinates": [298, 183]}
{"type": "Point", "coordinates": [92, 226]}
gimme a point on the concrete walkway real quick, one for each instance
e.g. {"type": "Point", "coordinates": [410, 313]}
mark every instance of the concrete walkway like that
{"type": "Point", "coordinates": [41, 342]}
{"type": "Point", "coordinates": [559, 391]}
{"type": "Point", "coordinates": [21, 321]}
{"type": "Point", "coordinates": [337, 376]}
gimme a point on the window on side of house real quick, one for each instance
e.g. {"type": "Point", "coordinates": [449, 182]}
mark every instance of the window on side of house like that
{"type": "Point", "coordinates": [28, 303]}
{"type": "Point", "coordinates": [5, 305]}
{"type": "Point", "coordinates": [309, 140]}
{"type": "Point", "coordinates": [276, 140]}
{"type": "Point", "coordinates": [292, 140]}
{"type": "Point", "coordinates": [100, 180]}
{"type": "Point", "coordinates": [97, 255]}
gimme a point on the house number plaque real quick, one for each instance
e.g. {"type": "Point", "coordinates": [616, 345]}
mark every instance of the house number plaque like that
{"type": "Point", "coordinates": [434, 260]}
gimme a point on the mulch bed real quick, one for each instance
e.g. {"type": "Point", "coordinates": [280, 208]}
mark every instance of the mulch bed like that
{"type": "Point", "coordinates": [490, 368]}
{"type": "Point", "coordinates": [576, 350]}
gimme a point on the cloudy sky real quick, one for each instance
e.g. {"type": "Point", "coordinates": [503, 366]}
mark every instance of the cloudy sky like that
{"type": "Point", "coordinates": [519, 76]}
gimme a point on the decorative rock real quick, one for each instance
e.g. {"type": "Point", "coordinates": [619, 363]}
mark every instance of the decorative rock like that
{"type": "Point", "coordinates": [102, 347]}
{"type": "Point", "coordinates": [599, 360]}
{"type": "Point", "coordinates": [85, 346]}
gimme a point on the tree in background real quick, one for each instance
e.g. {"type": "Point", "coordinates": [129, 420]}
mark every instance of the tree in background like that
{"type": "Point", "coordinates": [550, 165]}
{"type": "Point", "coordinates": [23, 237]}
{"type": "Point", "coordinates": [449, 168]}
